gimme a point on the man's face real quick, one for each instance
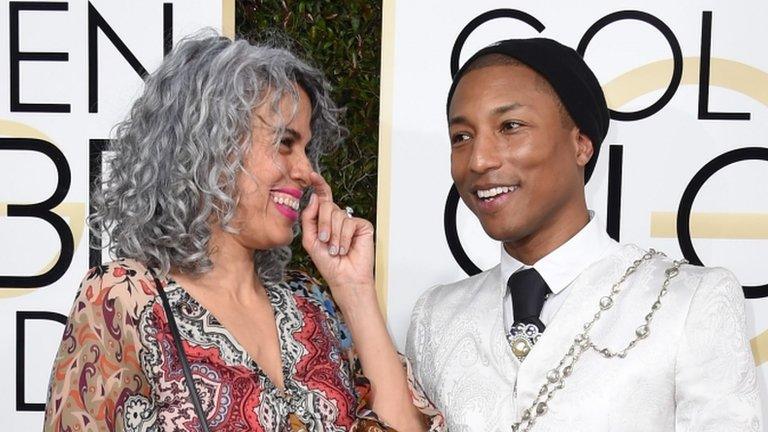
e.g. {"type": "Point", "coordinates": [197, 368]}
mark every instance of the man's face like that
{"type": "Point", "coordinates": [516, 160]}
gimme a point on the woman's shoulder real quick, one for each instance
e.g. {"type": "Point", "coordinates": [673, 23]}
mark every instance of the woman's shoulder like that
{"type": "Point", "coordinates": [125, 284]}
{"type": "Point", "coordinates": [98, 362]}
{"type": "Point", "coordinates": [118, 270]}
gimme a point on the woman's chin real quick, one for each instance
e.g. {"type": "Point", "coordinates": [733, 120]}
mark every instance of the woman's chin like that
{"type": "Point", "coordinates": [271, 242]}
{"type": "Point", "coordinates": [284, 241]}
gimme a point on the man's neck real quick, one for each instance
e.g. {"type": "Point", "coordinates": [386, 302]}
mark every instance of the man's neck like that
{"type": "Point", "coordinates": [533, 247]}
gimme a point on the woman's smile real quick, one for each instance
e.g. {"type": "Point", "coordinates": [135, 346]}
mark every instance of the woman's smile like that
{"type": "Point", "coordinates": [286, 200]}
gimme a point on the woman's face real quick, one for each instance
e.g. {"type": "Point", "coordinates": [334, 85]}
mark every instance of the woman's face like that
{"type": "Point", "coordinates": [274, 178]}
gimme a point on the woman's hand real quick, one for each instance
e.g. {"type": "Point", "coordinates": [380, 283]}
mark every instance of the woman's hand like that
{"type": "Point", "coordinates": [341, 247]}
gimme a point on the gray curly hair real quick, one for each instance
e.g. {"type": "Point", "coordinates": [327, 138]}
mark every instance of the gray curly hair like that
{"type": "Point", "coordinates": [180, 149]}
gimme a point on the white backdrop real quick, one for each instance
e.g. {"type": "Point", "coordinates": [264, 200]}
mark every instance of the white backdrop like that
{"type": "Point", "coordinates": [48, 148]}
{"type": "Point", "coordinates": [655, 157]}
{"type": "Point", "coordinates": [707, 137]}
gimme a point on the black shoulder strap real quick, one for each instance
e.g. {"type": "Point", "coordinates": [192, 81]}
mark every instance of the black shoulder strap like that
{"type": "Point", "coordinates": [182, 357]}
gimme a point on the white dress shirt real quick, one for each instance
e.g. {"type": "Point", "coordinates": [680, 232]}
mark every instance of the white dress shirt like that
{"type": "Point", "coordinates": [560, 267]}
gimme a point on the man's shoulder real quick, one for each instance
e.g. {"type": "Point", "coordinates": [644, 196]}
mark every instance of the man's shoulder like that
{"type": "Point", "coordinates": [459, 291]}
{"type": "Point", "coordinates": [444, 308]}
{"type": "Point", "coordinates": [714, 284]}
{"type": "Point", "coordinates": [663, 259]}
{"type": "Point", "coordinates": [686, 277]}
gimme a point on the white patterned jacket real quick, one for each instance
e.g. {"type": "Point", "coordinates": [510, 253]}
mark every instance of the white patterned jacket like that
{"type": "Point", "coordinates": [693, 373]}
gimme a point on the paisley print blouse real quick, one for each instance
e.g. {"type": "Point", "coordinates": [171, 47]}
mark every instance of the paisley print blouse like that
{"type": "Point", "coordinates": [117, 368]}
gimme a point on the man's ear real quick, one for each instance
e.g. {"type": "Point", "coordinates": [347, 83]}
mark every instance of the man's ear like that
{"type": "Point", "coordinates": [582, 146]}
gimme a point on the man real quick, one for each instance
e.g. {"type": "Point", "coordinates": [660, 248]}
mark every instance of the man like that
{"type": "Point", "coordinates": [571, 331]}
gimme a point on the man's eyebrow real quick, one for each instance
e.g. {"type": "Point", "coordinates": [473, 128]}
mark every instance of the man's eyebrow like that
{"type": "Point", "coordinates": [457, 120]}
{"type": "Point", "coordinates": [496, 111]}
{"type": "Point", "coordinates": [506, 108]}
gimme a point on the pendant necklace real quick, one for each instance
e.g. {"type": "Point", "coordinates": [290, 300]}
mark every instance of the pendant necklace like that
{"type": "Point", "coordinates": [555, 379]}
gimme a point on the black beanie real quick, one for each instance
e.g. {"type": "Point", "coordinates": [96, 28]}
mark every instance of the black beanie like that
{"type": "Point", "coordinates": [570, 77]}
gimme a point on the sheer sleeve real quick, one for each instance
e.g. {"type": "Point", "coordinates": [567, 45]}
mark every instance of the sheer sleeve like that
{"type": "Point", "coordinates": [97, 383]}
{"type": "Point", "coordinates": [367, 420]}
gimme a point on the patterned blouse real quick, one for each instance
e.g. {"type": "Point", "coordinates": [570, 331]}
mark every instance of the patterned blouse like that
{"type": "Point", "coordinates": [117, 368]}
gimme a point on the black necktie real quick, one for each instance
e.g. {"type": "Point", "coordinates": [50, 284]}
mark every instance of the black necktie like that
{"type": "Point", "coordinates": [529, 291]}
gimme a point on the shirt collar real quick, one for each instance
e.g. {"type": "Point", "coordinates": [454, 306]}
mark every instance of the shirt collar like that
{"type": "Point", "coordinates": [563, 265]}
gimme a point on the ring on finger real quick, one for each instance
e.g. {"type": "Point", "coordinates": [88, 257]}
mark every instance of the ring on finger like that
{"type": "Point", "coordinates": [349, 211]}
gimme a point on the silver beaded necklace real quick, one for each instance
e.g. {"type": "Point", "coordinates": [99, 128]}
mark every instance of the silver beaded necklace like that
{"type": "Point", "coordinates": [582, 342]}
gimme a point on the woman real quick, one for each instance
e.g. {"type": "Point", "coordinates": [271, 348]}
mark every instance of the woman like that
{"type": "Point", "coordinates": [201, 201]}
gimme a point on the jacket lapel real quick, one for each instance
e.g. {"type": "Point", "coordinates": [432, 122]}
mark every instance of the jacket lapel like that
{"type": "Point", "coordinates": [504, 361]}
{"type": "Point", "coordinates": [580, 305]}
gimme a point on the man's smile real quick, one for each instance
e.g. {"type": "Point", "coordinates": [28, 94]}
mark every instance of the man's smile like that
{"type": "Point", "coordinates": [491, 198]}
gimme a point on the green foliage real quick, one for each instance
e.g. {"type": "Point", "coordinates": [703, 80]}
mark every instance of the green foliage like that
{"type": "Point", "coordinates": [343, 39]}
